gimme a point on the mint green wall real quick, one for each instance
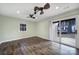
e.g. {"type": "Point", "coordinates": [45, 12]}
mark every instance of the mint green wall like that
{"type": "Point", "coordinates": [1, 29]}
{"type": "Point", "coordinates": [9, 29]}
{"type": "Point", "coordinates": [43, 29]}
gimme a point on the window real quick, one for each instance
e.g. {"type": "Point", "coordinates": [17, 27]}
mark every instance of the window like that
{"type": "Point", "coordinates": [22, 27]}
{"type": "Point", "coordinates": [68, 26]}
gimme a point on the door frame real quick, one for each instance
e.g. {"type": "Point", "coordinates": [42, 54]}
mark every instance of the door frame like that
{"type": "Point", "coordinates": [63, 18]}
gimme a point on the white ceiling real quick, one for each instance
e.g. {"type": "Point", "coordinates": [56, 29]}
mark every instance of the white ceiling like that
{"type": "Point", "coordinates": [24, 9]}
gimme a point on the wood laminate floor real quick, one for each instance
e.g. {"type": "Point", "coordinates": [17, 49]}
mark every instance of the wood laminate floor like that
{"type": "Point", "coordinates": [35, 46]}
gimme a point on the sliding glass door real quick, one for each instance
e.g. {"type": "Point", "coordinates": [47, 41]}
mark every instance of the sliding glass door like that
{"type": "Point", "coordinates": [64, 33]}
{"type": "Point", "coordinates": [68, 32]}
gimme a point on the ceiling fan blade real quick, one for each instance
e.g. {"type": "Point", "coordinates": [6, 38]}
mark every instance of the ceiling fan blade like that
{"type": "Point", "coordinates": [46, 6]}
{"type": "Point", "coordinates": [36, 8]}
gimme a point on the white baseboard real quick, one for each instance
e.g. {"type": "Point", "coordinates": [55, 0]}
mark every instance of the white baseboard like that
{"type": "Point", "coordinates": [13, 39]}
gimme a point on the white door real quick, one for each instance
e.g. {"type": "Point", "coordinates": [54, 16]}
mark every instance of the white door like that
{"type": "Point", "coordinates": [55, 32]}
{"type": "Point", "coordinates": [54, 36]}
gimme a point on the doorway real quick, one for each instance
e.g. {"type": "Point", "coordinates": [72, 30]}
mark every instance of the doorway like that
{"type": "Point", "coordinates": [64, 32]}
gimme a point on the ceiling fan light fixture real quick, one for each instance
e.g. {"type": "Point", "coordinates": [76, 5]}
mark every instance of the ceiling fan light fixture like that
{"type": "Point", "coordinates": [41, 12]}
{"type": "Point", "coordinates": [35, 12]}
{"type": "Point", "coordinates": [33, 17]}
{"type": "Point", "coordinates": [36, 8]}
{"type": "Point", "coordinates": [39, 9]}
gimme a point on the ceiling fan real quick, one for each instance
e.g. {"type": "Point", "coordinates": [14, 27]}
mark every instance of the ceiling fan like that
{"type": "Point", "coordinates": [39, 9]}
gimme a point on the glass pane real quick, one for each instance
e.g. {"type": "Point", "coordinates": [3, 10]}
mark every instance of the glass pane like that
{"type": "Point", "coordinates": [68, 34]}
